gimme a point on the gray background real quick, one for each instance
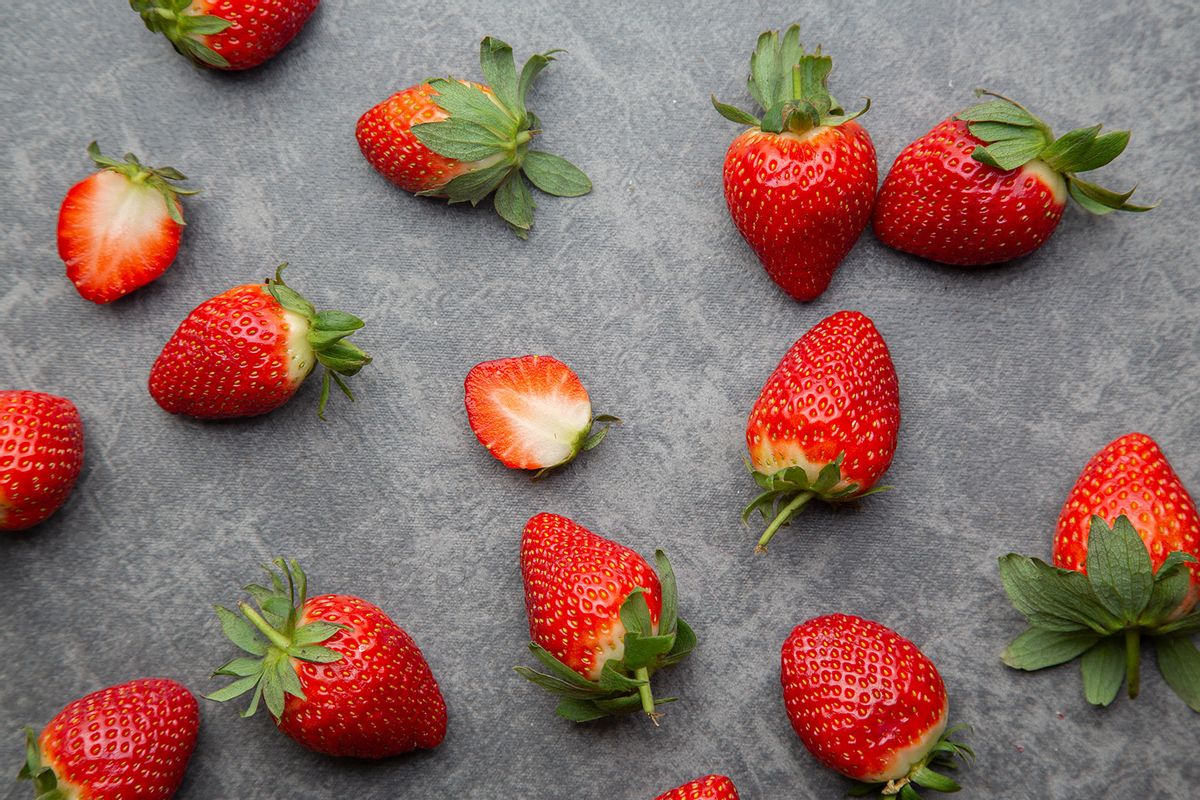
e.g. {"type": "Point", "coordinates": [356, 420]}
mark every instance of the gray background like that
{"type": "Point", "coordinates": [1011, 378]}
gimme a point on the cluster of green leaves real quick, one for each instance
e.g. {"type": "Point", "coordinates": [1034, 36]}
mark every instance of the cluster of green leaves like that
{"type": "Point", "coordinates": [588, 440]}
{"type": "Point", "coordinates": [45, 781]}
{"type": "Point", "coordinates": [161, 179]}
{"type": "Point", "coordinates": [327, 331]}
{"type": "Point", "coordinates": [1103, 615]}
{"type": "Point", "coordinates": [493, 132]}
{"type": "Point", "coordinates": [944, 755]}
{"type": "Point", "coordinates": [272, 636]}
{"type": "Point", "coordinates": [1014, 137]}
{"type": "Point", "coordinates": [790, 86]}
{"type": "Point", "coordinates": [168, 18]}
{"type": "Point", "coordinates": [624, 685]}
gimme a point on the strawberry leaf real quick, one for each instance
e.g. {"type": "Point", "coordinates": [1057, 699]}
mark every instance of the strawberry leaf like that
{"type": "Point", "coordinates": [1038, 648]}
{"type": "Point", "coordinates": [635, 614]}
{"type": "Point", "coordinates": [578, 710]}
{"type": "Point", "coordinates": [235, 689]}
{"type": "Point", "coordinates": [611, 680]}
{"type": "Point", "coordinates": [999, 110]}
{"type": "Point", "coordinates": [460, 139]}
{"type": "Point", "coordinates": [536, 63]}
{"type": "Point", "coordinates": [734, 114]}
{"type": "Point", "coordinates": [472, 187]}
{"type": "Point", "coordinates": [1171, 584]}
{"type": "Point", "coordinates": [1119, 568]}
{"type": "Point", "coordinates": [1103, 669]}
{"type": "Point", "coordinates": [1179, 663]}
{"type": "Point", "coordinates": [499, 70]}
{"type": "Point", "coordinates": [1054, 599]}
{"type": "Point", "coordinates": [466, 101]}
{"type": "Point", "coordinates": [685, 642]}
{"type": "Point", "coordinates": [669, 614]}
{"type": "Point", "coordinates": [1189, 623]}
{"type": "Point", "coordinates": [554, 175]}
{"type": "Point", "coordinates": [645, 651]}
{"type": "Point", "coordinates": [238, 631]}
{"type": "Point", "coordinates": [514, 204]}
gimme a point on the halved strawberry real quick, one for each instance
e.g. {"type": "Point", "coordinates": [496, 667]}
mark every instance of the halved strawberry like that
{"type": "Point", "coordinates": [119, 228]}
{"type": "Point", "coordinates": [531, 412]}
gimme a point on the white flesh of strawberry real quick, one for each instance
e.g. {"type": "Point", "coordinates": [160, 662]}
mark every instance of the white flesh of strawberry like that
{"type": "Point", "coordinates": [904, 759]}
{"type": "Point", "coordinates": [549, 425]}
{"type": "Point", "coordinates": [301, 358]}
{"type": "Point", "coordinates": [769, 458]}
{"type": "Point", "coordinates": [1051, 179]}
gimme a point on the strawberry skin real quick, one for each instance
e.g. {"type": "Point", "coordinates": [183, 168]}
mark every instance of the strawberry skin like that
{"type": "Point", "coordinates": [127, 742]}
{"type": "Point", "coordinates": [41, 454]}
{"type": "Point", "coordinates": [226, 34]}
{"type": "Point", "coordinates": [710, 787]}
{"type": "Point", "coordinates": [826, 422]}
{"type": "Point", "coordinates": [1130, 476]}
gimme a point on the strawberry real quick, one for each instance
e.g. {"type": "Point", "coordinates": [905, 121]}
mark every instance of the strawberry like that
{"type": "Point", "coordinates": [335, 672]}
{"type": "Point", "coordinates": [119, 228]}
{"type": "Point", "coordinates": [867, 703]}
{"type": "Point", "coordinates": [226, 34]}
{"type": "Point", "coordinates": [41, 453]}
{"type": "Point", "coordinates": [601, 621]}
{"type": "Point", "coordinates": [801, 181]}
{"type": "Point", "coordinates": [990, 184]}
{"type": "Point", "coordinates": [531, 412]}
{"type": "Point", "coordinates": [462, 141]}
{"type": "Point", "coordinates": [246, 352]}
{"type": "Point", "coordinates": [126, 742]}
{"type": "Point", "coordinates": [1125, 557]}
{"type": "Point", "coordinates": [710, 787]}
{"type": "Point", "coordinates": [824, 425]}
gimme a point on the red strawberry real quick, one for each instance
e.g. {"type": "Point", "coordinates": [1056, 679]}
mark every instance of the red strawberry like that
{"type": "Point", "coordinates": [600, 620]}
{"type": "Point", "coordinates": [41, 453]}
{"type": "Point", "coordinates": [531, 412]}
{"type": "Point", "coordinates": [463, 141]}
{"type": "Point", "coordinates": [246, 352]}
{"type": "Point", "coordinates": [226, 34]}
{"type": "Point", "coordinates": [336, 673]}
{"type": "Point", "coordinates": [126, 742]}
{"type": "Point", "coordinates": [799, 183]}
{"type": "Point", "coordinates": [990, 184]}
{"type": "Point", "coordinates": [867, 703]}
{"type": "Point", "coordinates": [119, 228]}
{"type": "Point", "coordinates": [710, 787]}
{"type": "Point", "coordinates": [825, 423]}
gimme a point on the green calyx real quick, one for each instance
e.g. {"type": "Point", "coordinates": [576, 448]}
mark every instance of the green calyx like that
{"type": "Point", "coordinates": [624, 685]}
{"type": "Point", "coordinates": [327, 332]}
{"type": "Point", "coordinates": [494, 132]}
{"type": "Point", "coordinates": [183, 30]}
{"type": "Point", "coordinates": [790, 86]}
{"type": "Point", "coordinates": [1013, 137]}
{"type": "Point", "coordinates": [1104, 615]}
{"type": "Point", "coordinates": [45, 781]}
{"type": "Point", "coordinates": [943, 755]}
{"type": "Point", "coordinates": [589, 438]}
{"type": "Point", "coordinates": [273, 638]}
{"type": "Point", "coordinates": [786, 492]}
{"type": "Point", "coordinates": [160, 179]}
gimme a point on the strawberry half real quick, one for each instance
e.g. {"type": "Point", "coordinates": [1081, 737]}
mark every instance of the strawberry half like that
{"type": "Point", "coordinates": [127, 742]}
{"type": "Point", "coordinates": [1126, 567]}
{"type": "Point", "coordinates": [41, 454]}
{"type": "Point", "coordinates": [710, 787]}
{"type": "Point", "coordinates": [601, 621]}
{"type": "Point", "coordinates": [226, 34]}
{"type": "Point", "coordinates": [335, 672]}
{"type": "Point", "coordinates": [867, 703]}
{"type": "Point", "coordinates": [531, 412]}
{"type": "Point", "coordinates": [825, 424]}
{"type": "Point", "coordinates": [800, 182]}
{"type": "Point", "coordinates": [246, 352]}
{"type": "Point", "coordinates": [463, 141]}
{"type": "Point", "coordinates": [119, 228]}
{"type": "Point", "coordinates": [990, 185]}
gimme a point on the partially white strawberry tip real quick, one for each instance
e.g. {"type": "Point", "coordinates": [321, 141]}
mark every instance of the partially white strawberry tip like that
{"type": "Point", "coordinates": [161, 179]}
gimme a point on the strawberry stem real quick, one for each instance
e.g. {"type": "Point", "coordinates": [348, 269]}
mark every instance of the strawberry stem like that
{"type": "Point", "coordinates": [1133, 660]}
{"type": "Point", "coordinates": [643, 674]}
{"type": "Point", "coordinates": [782, 519]}
{"type": "Point", "coordinates": [276, 638]}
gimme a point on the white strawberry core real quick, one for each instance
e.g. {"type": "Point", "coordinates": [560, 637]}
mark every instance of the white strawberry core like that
{"type": "Point", "coordinates": [905, 758]}
{"type": "Point", "coordinates": [1051, 179]}
{"type": "Point", "coordinates": [301, 357]}
{"type": "Point", "coordinates": [549, 425]}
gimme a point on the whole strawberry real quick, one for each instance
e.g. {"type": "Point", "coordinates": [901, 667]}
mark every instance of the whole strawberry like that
{"type": "Point", "coordinates": [462, 141]}
{"type": "Point", "coordinates": [226, 34]}
{"type": "Point", "coordinates": [1125, 557]}
{"type": "Point", "coordinates": [824, 426]}
{"type": "Point", "coordinates": [602, 622]}
{"type": "Point", "coordinates": [990, 184]}
{"type": "Point", "coordinates": [246, 352]}
{"type": "Point", "coordinates": [867, 703]}
{"type": "Point", "coordinates": [41, 453]}
{"type": "Point", "coordinates": [119, 228]}
{"type": "Point", "coordinates": [126, 742]}
{"type": "Point", "coordinates": [335, 672]}
{"type": "Point", "coordinates": [531, 412]}
{"type": "Point", "coordinates": [710, 787]}
{"type": "Point", "coordinates": [801, 181]}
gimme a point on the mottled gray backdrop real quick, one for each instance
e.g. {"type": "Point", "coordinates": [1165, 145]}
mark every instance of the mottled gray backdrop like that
{"type": "Point", "coordinates": [1011, 378]}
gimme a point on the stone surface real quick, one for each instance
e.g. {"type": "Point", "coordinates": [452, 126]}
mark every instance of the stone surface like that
{"type": "Point", "coordinates": [1011, 378]}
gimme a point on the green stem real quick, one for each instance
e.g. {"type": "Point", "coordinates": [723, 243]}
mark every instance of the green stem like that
{"type": "Point", "coordinates": [643, 674]}
{"type": "Point", "coordinates": [1133, 658]}
{"type": "Point", "coordinates": [781, 519]}
{"type": "Point", "coordinates": [276, 638]}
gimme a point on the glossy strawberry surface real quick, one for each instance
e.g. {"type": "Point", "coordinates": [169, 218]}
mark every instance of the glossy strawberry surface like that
{"type": "Point", "coordinates": [939, 203]}
{"type": "Point", "coordinates": [380, 699]}
{"type": "Point", "coordinates": [41, 454]}
{"type": "Point", "coordinates": [710, 787]}
{"type": "Point", "coordinates": [575, 583]}
{"type": "Point", "coordinates": [126, 742]}
{"type": "Point", "coordinates": [863, 699]}
{"type": "Point", "coordinates": [801, 200]}
{"type": "Point", "coordinates": [260, 29]}
{"type": "Point", "coordinates": [834, 392]}
{"type": "Point", "coordinates": [1130, 476]}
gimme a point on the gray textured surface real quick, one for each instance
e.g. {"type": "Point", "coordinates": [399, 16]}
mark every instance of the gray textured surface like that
{"type": "Point", "coordinates": [1010, 379]}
